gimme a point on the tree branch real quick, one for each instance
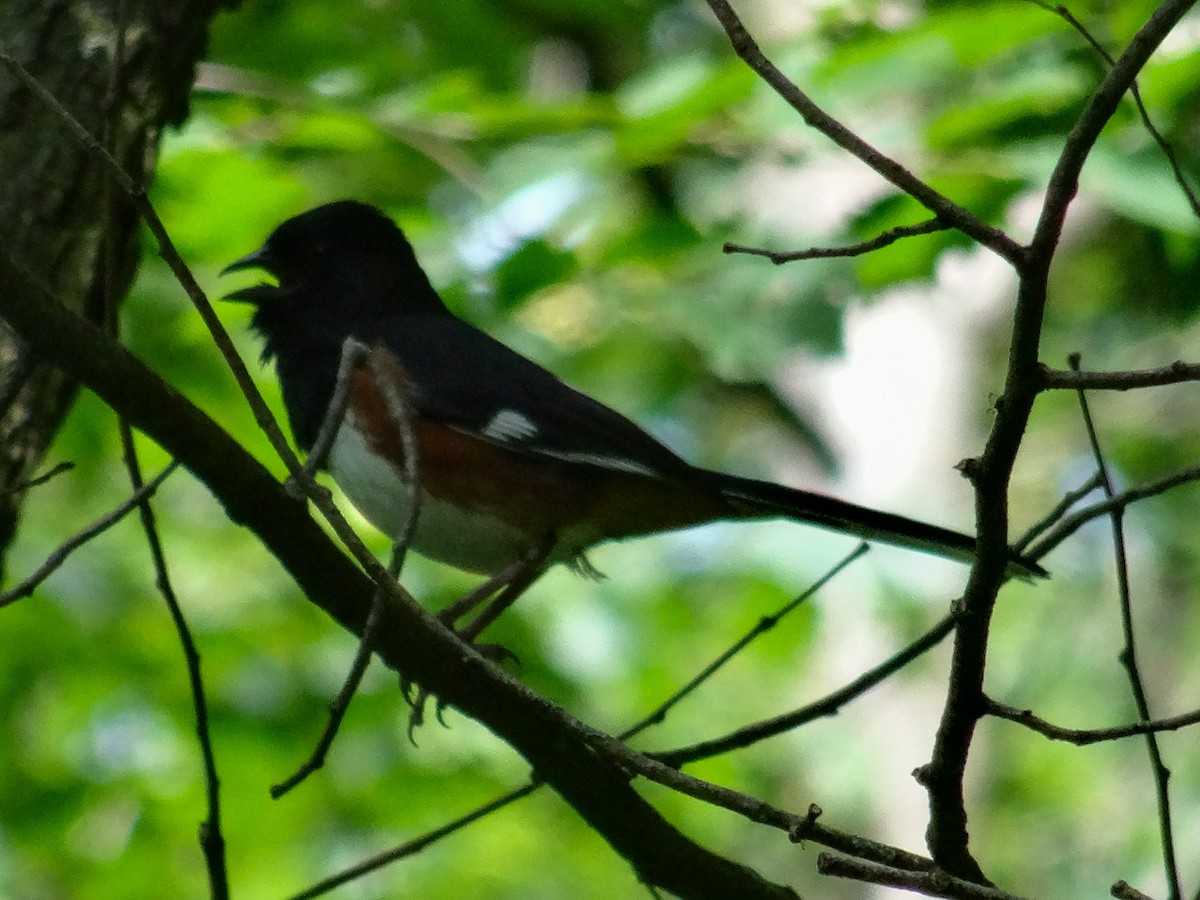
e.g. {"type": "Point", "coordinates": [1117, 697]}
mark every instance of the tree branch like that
{"type": "Point", "coordinates": [1128, 654]}
{"type": "Point", "coordinates": [941, 206]}
{"type": "Point", "coordinates": [933, 884]}
{"type": "Point", "coordinates": [826, 706]}
{"type": "Point", "coordinates": [765, 624]}
{"type": "Point", "coordinates": [943, 776]}
{"type": "Point", "coordinates": [73, 543]}
{"type": "Point", "coordinates": [1068, 525]}
{"type": "Point", "coordinates": [1081, 737]}
{"type": "Point", "coordinates": [1175, 373]}
{"type": "Point", "coordinates": [1064, 181]}
{"type": "Point", "coordinates": [884, 239]}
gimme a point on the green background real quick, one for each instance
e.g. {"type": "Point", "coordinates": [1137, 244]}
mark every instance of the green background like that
{"type": "Point", "coordinates": [568, 173]}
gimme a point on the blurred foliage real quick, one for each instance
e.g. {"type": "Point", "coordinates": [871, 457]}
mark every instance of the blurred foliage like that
{"type": "Point", "coordinates": [568, 172]}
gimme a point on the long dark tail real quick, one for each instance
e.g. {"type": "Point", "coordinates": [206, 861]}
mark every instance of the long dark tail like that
{"type": "Point", "coordinates": [753, 499]}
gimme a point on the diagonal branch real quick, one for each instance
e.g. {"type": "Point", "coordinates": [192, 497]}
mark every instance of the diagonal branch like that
{"type": "Point", "coordinates": [73, 543]}
{"type": "Point", "coordinates": [943, 207]}
{"type": "Point", "coordinates": [1135, 92]}
{"type": "Point", "coordinates": [1068, 525]}
{"type": "Point", "coordinates": [826, 706]}
{"type": "Point", "coordinates": [1064, 181]}
{"type": "Point", "coordinates": [935, 883]}
{"type": "Point", "coordinates": [765, 624]}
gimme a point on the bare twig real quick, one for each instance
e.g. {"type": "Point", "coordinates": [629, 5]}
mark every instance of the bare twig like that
{"type": "Point", "coordinates": [337, 707]}
{"type": "Point", "coordinates": [929, 226]}
{"type": "Point", "coordinates": [64, 550]}
{"type": "Point", "coordinates": [28, 483]}
{"type": "Point", "coordinates": [353, 354]}
{"type": "Point", "coordinates": [410, 848]}
{"type": "Point", "coordinates": [1135, 92]}
{"type": "Point", "coordinates": [798, 827]}
{"type": "Point", "coordinates": [1064, 180]}
{"type": "Point", "coordinates": [1123, 890]}
{"type": "Point", "coordinates": [1083, 736]}
{"type": "Point", "coordinates": [935, 883]}
{"type": "Point", "coordinates": [1068, 525]}
{"type": "Point", "coordinates": [765, 624]}
{"type": "Point", "coordinates": [951, 213]}
{"type": "Point", "coordinates": [1129, 653]}
{"type": "Point", "coordinates": [212, 841]}
{"type": "Point", "coordinates": [827, 706]}
{"type": "Point", "coordinates": [1175, 373]}
{"type": "Point", "coordinates": [1055, 515]}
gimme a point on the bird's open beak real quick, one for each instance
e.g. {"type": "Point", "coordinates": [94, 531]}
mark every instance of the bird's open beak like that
{"type": "Point", "coordinates": [257, 293]}
{"type": "Point", "coordinates": [259, 259]}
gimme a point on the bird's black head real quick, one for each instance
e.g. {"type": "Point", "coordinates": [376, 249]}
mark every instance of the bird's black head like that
{"type": "Point", "coordinates": [347, 255]}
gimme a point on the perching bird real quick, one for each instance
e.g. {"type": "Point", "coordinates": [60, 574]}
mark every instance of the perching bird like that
{"type": "Point", "coordinates": [517, 470]}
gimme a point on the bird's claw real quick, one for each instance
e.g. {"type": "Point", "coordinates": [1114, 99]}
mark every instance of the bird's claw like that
{"type": "Point", "coordinates": [416, 696]}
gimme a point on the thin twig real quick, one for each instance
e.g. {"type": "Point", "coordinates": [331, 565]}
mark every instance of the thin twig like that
{"type": "Point", "coordinates": [67, 547]}
{"type": "Point", "coordinates": [1175, 373]}
{"type": "Point", "coordinates": [932, 884]}
{"type": "Point", "coordinates": [1068, 525]}
{"type": "Point", "coordinates": [354, 354]}
{"type": "Point", "coordinates": [1064, 180]}
{"type": "Point", "coordinates": [827, 706]}
{"type": "Point", "coordinates": [765, 624]}
{"type": "Point", "coordinates": [884, 239]}
{"type": "Point", "coordinates": [26, 484]}
{"type": "Point", "coordinates": [799, 828]}
{"type": "Point", "coordinates": [399, 413]}
{"type": "Point", "coordinates": [1081, 737]}
{"type": "Point", "coordinates": [1069, 499]}
{"type": "Point", "coordinates": [1123, 890]}
{"type": "Point", "coordinates": [1129, 653]}
{"type": "Point", "coordinates": [1136, 93]}
{"type": "Point", "coordinates": [212, 841]}
{"type": "Point", "coordinates": [410, 848]}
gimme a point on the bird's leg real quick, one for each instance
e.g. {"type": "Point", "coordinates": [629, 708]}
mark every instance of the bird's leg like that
{"type": "Point", "coordinates": [354, 353]}
{"type": "Point", "coordinates": [503, 588]}
{"type": "Point", "coordinates": [520, 581]}
{"type": "Point", "coordinates": [479, 595]}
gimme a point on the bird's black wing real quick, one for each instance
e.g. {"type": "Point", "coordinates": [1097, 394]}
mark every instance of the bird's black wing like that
{"type": "Point", "coordinates": [469, 380]}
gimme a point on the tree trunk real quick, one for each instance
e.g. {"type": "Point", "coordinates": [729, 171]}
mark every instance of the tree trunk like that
{"type": "Point", "coordinates": [124, 70]}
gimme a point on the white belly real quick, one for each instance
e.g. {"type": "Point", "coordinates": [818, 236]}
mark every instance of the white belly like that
{"type": "Point", "coordinates": [466, 540]}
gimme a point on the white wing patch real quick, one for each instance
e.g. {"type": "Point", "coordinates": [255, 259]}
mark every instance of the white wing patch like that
{"type": "Point", "coordinates": [510, 425]}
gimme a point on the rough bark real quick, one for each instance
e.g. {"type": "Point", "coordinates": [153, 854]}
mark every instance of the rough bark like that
{"type": "Point", "coordinates": [124, 69]}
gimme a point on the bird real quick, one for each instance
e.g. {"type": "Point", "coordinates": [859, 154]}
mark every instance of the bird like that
{"type": "Point", "coordinates": [515, 471]}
